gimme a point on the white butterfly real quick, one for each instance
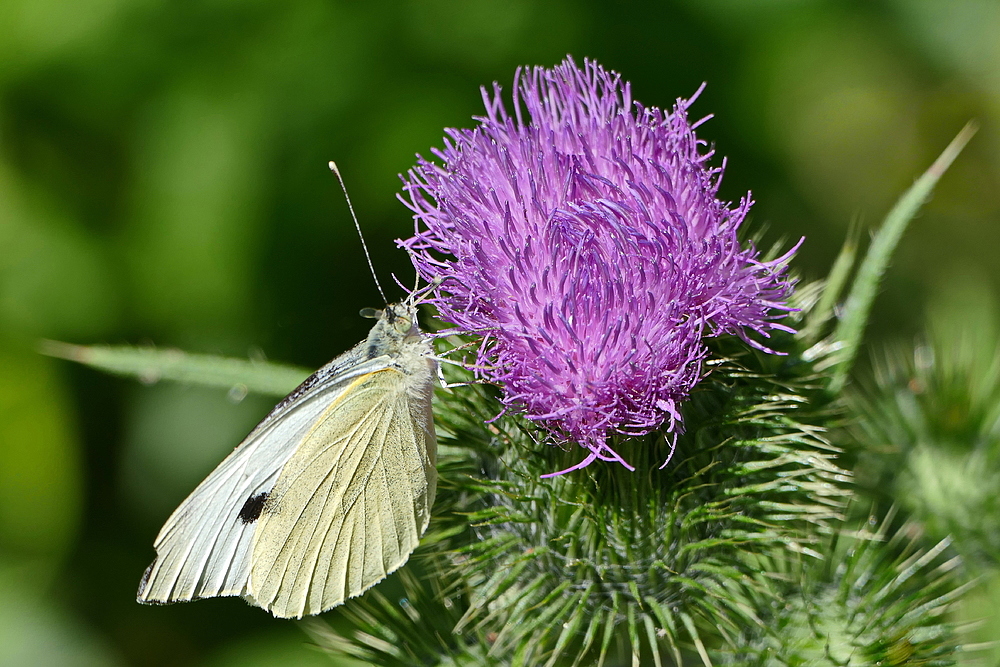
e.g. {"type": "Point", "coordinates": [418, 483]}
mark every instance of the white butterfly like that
{"type": "Point", "coordinates": [325, 497]}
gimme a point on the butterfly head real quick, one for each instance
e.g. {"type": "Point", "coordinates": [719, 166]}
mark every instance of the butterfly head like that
{"type": "Point", "coordinates": [402, 318]}
{"type": "Point", "coordinates": [397, 322]}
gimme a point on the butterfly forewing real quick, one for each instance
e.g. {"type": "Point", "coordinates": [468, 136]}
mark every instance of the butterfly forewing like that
{"type": "Point", "coordinates": [352, 502]}
{"type": "Point", "coordinates": [204, 552]}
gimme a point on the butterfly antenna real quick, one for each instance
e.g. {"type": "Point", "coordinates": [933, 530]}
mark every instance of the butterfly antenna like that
{"type": "Point", "coordinates": [357, 226]}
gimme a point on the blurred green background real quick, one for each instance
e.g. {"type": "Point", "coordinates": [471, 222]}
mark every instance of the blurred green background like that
{"type": "Point", "coordinates": [163, 179]}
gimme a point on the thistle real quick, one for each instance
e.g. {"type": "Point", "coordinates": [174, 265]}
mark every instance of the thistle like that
{"type": "Point", "coordinates": [928, 433]}
{"type": "Point", "coordinates": [582, 239]}
{"type": "Point", "coordinates": [876, 598]}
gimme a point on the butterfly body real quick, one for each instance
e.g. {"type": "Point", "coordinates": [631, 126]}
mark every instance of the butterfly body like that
{"type": "Point", "coordinates": [328, 495]}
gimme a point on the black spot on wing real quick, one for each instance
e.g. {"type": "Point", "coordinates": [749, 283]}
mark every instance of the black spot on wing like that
{"type": "Point", "coordinates": [252, 508]}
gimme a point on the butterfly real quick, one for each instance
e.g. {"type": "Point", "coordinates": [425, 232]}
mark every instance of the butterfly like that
{"type": "Point", "coordinates": [327, 496]}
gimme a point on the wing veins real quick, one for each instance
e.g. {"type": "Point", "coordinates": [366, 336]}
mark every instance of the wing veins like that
{"type": "Point", "coordinates": [305, 535]}
{"type": "Point", "coordinates": [326, 531]}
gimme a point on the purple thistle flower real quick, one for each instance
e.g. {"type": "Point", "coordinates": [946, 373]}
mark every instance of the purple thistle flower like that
{"type": "Point", "coordinates": [581, 237]}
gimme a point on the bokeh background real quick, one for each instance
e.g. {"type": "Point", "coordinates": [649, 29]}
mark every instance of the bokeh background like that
{"type": "Point", "coordinates": [163, 180]}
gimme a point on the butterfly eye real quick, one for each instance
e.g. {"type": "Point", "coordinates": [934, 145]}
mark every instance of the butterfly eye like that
{"type": "Point", "coordinates": [403, 324]}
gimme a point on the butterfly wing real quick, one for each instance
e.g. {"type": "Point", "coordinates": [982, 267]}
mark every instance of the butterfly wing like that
{"type": "Point", "coordinates": [203, 550]}
{"type": "Point", "coordinates": [353, 500]}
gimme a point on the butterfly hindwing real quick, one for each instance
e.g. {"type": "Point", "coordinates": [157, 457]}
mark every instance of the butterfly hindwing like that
{"type": "Point", "coordinates": [352, 502]}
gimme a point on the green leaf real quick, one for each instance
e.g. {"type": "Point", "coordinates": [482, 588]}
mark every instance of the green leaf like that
{"type": "Point", "coordinates": [151, 365]}
{"type": "Point", "coordinates": [866, 284]}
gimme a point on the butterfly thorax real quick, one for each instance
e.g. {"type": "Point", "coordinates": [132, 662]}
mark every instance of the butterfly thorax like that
{"type": "Point", "coordinates": [397, 336]}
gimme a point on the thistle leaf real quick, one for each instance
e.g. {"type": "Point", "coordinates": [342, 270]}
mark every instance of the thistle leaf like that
{"type": "Point", "coordinates": [863, 291]}
{"type": "Point", "coordinates": [822, 312]}
{"type": "Point", "coordinates": [150, 365]}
